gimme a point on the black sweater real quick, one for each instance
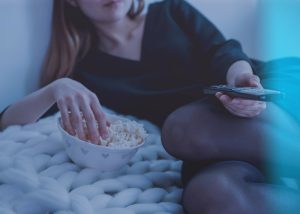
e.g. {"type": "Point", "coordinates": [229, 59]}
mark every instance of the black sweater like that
{"type": "Point", "coordinates": [181, 52]}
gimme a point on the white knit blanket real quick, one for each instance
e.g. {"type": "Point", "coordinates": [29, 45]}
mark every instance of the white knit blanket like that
{"type": "Point", "coordinates": [37, 177]}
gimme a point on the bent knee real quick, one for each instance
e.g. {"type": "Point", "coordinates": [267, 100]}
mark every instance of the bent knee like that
{"type": "Point", "coordinates": [190, 129]}
{"type": "Point", "coordinates": [173, 132]}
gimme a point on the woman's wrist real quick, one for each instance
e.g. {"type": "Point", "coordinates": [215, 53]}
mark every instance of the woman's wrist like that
{"type": "Point", "coordinates": [50, 90]}
{"type": "Point", "coordinates": [237, 68]}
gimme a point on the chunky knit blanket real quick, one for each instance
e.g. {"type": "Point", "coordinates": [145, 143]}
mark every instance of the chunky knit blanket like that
{"type": "Point", "coordinates": [37, 177]}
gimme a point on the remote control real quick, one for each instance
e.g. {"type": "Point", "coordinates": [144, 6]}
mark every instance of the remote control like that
{"type": "Point", "coordinates": [250, 93]}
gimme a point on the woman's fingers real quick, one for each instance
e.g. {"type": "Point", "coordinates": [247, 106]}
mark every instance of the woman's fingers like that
{"type": "Point", "coordinates": [245, 102]}
{"type": "Point", "coordinates": [254, 81]}
{"type": "Point", "coordinates": [73, 97]}
{"type": "Point", "coordinates": [65, 116]}
{"type": "Point", "coordinates": [91, 123]}
{"type": "Point", "coordinates": [77, 122]}
{"type": "Point", "coordinates": [254, 107]}
{"type": "Point", "coordinates": [245, 112]}
{"type": "Point", "coordinates": [241, 107]}
{"type": "Point", "coordinates": [239, 113]}
{"type": "Point", "coordinates": [226, 100]}
{"type": "Point", "coordinates": [100, 118]}
{"type": "Point", "coordinates": [248, 105]}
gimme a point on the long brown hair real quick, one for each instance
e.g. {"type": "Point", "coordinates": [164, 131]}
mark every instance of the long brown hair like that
{"type": "Point", "coordinates": [72, 37]}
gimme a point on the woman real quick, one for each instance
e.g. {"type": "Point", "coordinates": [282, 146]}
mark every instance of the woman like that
{"type": "Point", "coordinates": [149, 66]}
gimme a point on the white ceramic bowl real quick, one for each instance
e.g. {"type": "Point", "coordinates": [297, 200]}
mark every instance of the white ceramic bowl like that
{"type": "Point", "coordinates": [96, 156]}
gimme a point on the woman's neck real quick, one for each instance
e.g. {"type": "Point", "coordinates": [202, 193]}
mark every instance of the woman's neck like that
{"type": "Point", "coordinates": [115, 34]}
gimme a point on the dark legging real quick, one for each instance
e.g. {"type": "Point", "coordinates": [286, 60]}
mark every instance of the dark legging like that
{"type": "Point", "coordinates": [232, 164]}
{"type": "Point", "coordinates": [229, 162]}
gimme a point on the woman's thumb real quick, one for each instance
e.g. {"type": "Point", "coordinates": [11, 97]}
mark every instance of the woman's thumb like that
{"type": "Point", "coordinates": [254, 81]}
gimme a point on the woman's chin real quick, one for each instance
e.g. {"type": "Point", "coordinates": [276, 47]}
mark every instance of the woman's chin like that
{"type": "Point", "coordinates": [113, 18]}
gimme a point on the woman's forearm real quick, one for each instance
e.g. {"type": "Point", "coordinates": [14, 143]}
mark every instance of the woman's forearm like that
{"type": "Point", "coordinates": [29, 109]}
{"type": "Point", "coordinates": [236, 69]}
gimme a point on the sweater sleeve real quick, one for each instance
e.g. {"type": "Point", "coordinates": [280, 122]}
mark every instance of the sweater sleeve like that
{"type": "Point", "coordinates": [217, 52]}
{"type": "Point", "coordinates": [1, 114]}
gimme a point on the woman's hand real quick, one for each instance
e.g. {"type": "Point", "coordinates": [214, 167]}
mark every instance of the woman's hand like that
{"type": "Point", "coordinates": [76, 103]}
{"type": "Point", "coordinates": [242, 107]}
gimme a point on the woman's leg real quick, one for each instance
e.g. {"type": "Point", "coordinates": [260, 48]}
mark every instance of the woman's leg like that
{"type": "Point", "coordinates": [237, 187]}
{"type": "Point", "coordinates": [203, 132]}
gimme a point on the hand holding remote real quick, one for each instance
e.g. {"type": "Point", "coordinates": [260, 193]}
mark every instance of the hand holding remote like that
{"type": "Point", "coordinates": [239, 106]}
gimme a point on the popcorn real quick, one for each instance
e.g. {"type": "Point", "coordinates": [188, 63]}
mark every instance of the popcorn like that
{"type": "Point", "coordinates": [122, 134]}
